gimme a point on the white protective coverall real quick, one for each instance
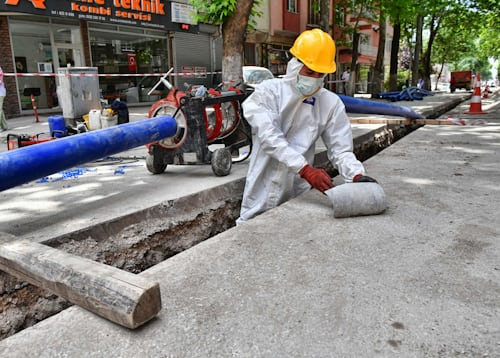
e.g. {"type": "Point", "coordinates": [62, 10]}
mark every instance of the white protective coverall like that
{"type": "Point", "coordinates": [285, 128]}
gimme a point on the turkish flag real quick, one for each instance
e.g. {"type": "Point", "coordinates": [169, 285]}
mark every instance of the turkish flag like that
{"type": "Point", "coordinates": [132, 62]}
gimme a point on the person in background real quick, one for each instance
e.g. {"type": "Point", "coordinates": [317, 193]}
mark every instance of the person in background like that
{"type": "Point", "coordinates": [287, 117]}
{"type": "Point", "coordinates": [3, 93]}
{"type": "Point", "coordinates": [345, 79]}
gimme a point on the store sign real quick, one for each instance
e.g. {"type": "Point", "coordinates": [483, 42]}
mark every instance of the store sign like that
{"type": "Point", "coordinates": [145, 13]}
{"type": "Point", "coordinates": [183, 13]}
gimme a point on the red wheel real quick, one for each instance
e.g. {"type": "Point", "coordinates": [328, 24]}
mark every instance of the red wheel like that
{"type": "Point", "coordinates": [230, 118]}
{"type": "Point", "coordinates": [170, 109]}
{"type": "Point", "coordinates": [213, 121]}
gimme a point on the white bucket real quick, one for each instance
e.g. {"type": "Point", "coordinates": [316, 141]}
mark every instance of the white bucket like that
{"type": "Point", "coordinates": [109, 121]}
{"type": "Point", "coordinates": [94, 119]}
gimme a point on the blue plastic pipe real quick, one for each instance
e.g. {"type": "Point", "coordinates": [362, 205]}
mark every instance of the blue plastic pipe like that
{"type": "Point", "coordinates": [357, 105]}
{"type": "Point", "coordinates": [28, 163]}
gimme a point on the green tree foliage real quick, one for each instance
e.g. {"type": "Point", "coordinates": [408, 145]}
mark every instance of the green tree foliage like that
{"type": "Point", "coordinates": [217, 12]}
{"type": "Point", "coordinates": [234, 17]}
{"type": "Point", "coordinates": [489, 35]}
{"type": "Point", "coordinates": [360, 11]}
{"type": "Point", "coordinates": [452, 31]}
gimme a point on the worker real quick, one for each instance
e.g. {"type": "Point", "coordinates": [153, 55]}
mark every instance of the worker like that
{"type": "Point", "coordinates": [3, 92]}
{"type": "Point", "coordinates": [345, 79]}
{"type": "Point", "coordinates": [287, 117]}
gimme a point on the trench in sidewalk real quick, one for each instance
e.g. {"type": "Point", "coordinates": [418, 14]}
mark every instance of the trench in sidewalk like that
{"type": "Point", "coordinates": [141, 240]}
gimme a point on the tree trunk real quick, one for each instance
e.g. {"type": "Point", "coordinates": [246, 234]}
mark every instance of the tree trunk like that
{"type": "Point", "coordinates": [378, 70]}
{"type": "Point", "coordinates": [325, 25]}
{"type": "Point", "coordinates": [324, 16]}
{"type": "Point", "coordinates": [417, 51]}
{"type": "Point", "coordinates": [233, 39]}
{"type": "Point", "coordinates": [427, 58]}
{"type": "Point", "coordinates": [354, 66]}
{"type": "Point", "coordinates": [393, 71]}
{"type": "Point", "coordinates": [439, 75]}
{"type": "Point", "coordinates": [351, 85]}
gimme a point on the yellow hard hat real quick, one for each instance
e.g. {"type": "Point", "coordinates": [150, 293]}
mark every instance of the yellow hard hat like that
{"type": "Point", "coordinates": [315, 49]}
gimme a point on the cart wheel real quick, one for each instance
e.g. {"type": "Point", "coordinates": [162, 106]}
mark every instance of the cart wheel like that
{"type": "Point", "coordinates": [221, 162]}
{"type": "Point", "coordinates": [180, 136]}
{"type": "Point", "coordinates": [155, 164]}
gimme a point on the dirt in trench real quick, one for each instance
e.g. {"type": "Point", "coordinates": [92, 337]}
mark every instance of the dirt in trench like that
{"type": "Point", "coordinates": [135, 249]}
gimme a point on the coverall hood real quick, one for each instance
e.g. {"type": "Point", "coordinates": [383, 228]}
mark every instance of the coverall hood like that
{"type": "Point", "coordinates": [293, 68]}
{"type": "Point", "coordinates": [292, 73]}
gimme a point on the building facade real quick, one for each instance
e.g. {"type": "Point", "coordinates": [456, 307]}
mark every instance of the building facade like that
{"type": "Point", "coordinates": [129, 43]}
{"type": "Point", "coordinates": [132, 43]}
{"type": "Point", "coordinates": [269, 43]}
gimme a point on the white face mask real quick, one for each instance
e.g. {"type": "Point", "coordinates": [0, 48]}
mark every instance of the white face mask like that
{"type": "Point", "coordinates": [308, 85]}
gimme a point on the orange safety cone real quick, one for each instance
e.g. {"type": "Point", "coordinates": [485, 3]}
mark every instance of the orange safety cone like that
{"type": "Point", "coordinates": [486, 91]}
{"type": "Point", "coordinates": [475, 103]}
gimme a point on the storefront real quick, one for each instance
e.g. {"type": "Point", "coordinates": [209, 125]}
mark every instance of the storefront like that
{"type": "Point", "coordinates": [277, 52]}
{"type": "Point", "coordinates": [270, 51]}
{"type": "Point", "coordinates": [121, 53]}
{"type": "Point", "coordinates": [130, 45]}
{"type": "Point", "coordinates": [278, 57]}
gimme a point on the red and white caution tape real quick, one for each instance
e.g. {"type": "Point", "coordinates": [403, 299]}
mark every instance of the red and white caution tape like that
{"type": "Point", "coordinates": [180, 74]}
{"type": "Point", "coordinates": [467, 122]}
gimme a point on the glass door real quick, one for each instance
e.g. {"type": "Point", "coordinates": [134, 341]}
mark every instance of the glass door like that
{"type": "Point", "coordinates": [68, 56]}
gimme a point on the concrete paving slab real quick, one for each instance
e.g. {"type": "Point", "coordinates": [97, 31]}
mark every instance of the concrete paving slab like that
{"type": "Point", "coordinates": [420, 280]}
{"type": "Point", "coordinates": [97, 192]}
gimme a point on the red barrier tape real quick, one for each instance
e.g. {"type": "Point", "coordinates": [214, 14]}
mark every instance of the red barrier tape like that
{"type": "Point", "coordinates": [181, 74]}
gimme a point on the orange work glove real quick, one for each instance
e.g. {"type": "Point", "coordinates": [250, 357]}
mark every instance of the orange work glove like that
{"type": "Point", "coordinates": [318, 178]}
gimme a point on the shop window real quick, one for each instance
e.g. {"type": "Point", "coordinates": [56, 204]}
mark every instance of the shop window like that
{"type": "Point", "coordinates": [128, 54]}
{"type": "Point", "coordinates": [278, 60]}
{"type": "Point", "coordinates": [364, 44]}
{"type": "Point", "coordinates": [66, 35]}
{"type": "Point", "coordinates": [31, 46]}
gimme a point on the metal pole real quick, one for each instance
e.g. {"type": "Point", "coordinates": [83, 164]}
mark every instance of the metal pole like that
{"type": "Point", "coordinates": [33, 103]}
{"type": "Point", "coordinates": [25, 164]}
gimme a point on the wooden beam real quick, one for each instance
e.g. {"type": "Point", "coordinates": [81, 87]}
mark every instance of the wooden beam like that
{"type": "Point", "coordinates": [406, 122]}
{"type": "Point", "coordinates": [119, 296]}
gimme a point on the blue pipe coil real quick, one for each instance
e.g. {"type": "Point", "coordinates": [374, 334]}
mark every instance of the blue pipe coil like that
{"type": "Point", "coordinates": [357, 105]}
{"type": "Point", "coordinates": [28, 163]}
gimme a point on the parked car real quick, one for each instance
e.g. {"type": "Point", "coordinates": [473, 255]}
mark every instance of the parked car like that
{"type": "Point", "coordinates": [254, 75]}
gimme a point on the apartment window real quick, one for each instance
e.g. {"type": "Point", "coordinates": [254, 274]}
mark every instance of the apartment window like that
{"type": "Point", "coordinates": [364, 43]}
{"type": "Point", "coordinates": [314, 8]}
{"type": "Point", "coordinates": [369, 14]}
{"type": "Point", "coordinates": [291, 5]}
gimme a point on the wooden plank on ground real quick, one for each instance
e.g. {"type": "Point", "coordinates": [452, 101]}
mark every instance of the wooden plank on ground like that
{"type": "Point", "coordinates": [119, 296]}
{"type": "Point", "coordinates": [403, 121]}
